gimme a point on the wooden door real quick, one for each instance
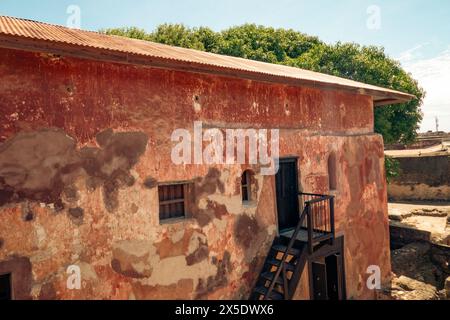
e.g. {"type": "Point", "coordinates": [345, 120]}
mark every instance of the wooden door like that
{"type": "Point", "coordinates": [287, 195]}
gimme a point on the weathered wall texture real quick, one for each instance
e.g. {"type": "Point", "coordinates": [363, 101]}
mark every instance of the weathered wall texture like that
{"type": "Point", "coordinates": [422, 178]}
{"type": "Point", "coordinates": [83, 145]}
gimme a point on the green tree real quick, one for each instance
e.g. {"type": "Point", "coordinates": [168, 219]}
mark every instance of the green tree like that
{"type": "Point", "coordinates": [265, 44]}
{"type": "Point", "coordinates": [397, 124]}
{"type": "Point", "coordinates": [393, 169]}
{"type": "Point", "coordinates": [129, 32]}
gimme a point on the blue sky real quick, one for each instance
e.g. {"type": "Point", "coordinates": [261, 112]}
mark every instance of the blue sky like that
{"type": "Point", "coordinates": [416, 32]}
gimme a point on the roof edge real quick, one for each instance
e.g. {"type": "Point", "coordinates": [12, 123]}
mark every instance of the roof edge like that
{"type": "Point", "coordinates": [381, 96]}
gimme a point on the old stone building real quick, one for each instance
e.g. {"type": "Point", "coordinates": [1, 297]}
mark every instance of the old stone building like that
{"type": "Point", "coordinates": [88, 182]}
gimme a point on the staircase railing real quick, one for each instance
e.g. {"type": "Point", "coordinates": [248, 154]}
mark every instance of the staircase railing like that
{"type": "Point", "coordinates": [282, 268]}
{"type": "Point", "coordinates": [320, 217]}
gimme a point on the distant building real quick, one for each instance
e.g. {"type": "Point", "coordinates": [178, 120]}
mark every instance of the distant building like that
{"type": "Point", "coordinates": [425, 177]}
{"type": "Point", "coordinates": [423, 141]}
{"type": "Point", "coordinates": [424, 169]}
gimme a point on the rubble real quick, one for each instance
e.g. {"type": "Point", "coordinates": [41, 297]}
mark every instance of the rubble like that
{"type": "Point", "coordinates": [428, 212]}
{"type": "Point", "coordinates": [447, 288]}
{"type": "Point", "coordinates": [416, 275]}
{"type": "Point", "coordinates": [404, 288]}
{"type": "Point", "coordinates": [420, 253]}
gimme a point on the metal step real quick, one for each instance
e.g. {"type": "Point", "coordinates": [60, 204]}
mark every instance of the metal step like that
{"type": "Point", "coordinates": [274, 295]}
{"type": "Point", "coordinates": [277, 263]}
{"type": "Point", "coordinates": [281, 248]}
{"type": "Point", "coordinates": [270, 275]}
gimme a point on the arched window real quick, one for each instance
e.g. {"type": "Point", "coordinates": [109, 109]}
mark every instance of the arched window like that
{"type": "Point", "coordinates": [246, 182]}
{"type": "Point", "coordinates": [332, 175]}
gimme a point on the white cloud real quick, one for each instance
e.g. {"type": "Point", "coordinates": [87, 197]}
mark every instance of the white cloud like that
{"type": "Point", "coordinates": [411, 54]}
{"type": "Point", "coordinates": [433, 75]}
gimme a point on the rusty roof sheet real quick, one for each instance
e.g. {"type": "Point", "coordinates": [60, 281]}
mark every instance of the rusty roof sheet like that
{"type": "Point", "coordinates": [38, 36]}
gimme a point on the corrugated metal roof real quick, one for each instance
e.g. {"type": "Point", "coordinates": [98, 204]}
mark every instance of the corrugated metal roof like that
{"type": "Point", "coordinates": [37, 36]}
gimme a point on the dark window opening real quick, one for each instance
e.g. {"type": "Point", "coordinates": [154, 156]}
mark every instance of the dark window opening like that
{"type": "Point", "coordinates": [173, 201]}
{"type": "Point", "coordinates": [332, 176]}
{"type": "Point", "coordinates": [246, 183]}
{"type": "Point", "coordinates": [5, 287]}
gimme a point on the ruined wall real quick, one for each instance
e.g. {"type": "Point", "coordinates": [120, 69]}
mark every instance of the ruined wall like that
{"type": "Point", "coordinates": [422, 178]}
{"type": "Point", "coordinates": [84, 144]}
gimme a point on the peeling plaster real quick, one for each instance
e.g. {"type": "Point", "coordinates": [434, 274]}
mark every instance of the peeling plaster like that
{"type": "Point", "coordinates": [171, 270]}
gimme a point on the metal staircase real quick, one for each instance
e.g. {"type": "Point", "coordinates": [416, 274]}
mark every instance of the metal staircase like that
{"type": "Point", "coordinates": [290, 251]}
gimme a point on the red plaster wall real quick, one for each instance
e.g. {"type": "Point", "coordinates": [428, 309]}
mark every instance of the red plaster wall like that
{"type": "Point", "coordinates": [84, 98]}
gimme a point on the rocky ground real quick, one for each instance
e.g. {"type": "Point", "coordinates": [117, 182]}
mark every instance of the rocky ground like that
{"type": "Point", "coordinates": [434, 218]}
{"type": "Point", "coordinates": [421, 268]}
{"type": "Point", "coordinates": [417, 276]}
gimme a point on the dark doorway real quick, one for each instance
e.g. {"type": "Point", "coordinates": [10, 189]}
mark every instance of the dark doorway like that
{"type": "Point", "coordinates": [332, 265]}
{"type": "Point", "coordinates": [327, 278]}
{"type": "Point", "coordinates": [5, 287]}
{"type": "Point", "coordinates": [319, 275]}
{"type": "Point", "coordinates": [287, 194]}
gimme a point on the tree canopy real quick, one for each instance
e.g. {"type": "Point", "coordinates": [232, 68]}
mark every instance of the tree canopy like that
{"type": "Point", "coordinates": [369, 64]}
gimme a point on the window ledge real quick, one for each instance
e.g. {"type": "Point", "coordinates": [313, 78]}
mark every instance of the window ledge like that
{"type": "Point", "coordinates": [249, 204]}
{"type": "Point", "coordinates": [175, 221]}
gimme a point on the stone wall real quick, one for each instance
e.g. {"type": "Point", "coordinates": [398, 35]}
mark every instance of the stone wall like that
{"type": "Point", "coordinates": [422, 178]}
{"type": "Point", "coordinates": [440, 255]}
{"type": "Point", "coordinates": [402, 236]}
{"type": "Point", "coordinates": [84, 145]}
